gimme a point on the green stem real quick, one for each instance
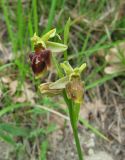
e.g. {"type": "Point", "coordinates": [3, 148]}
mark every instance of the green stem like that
{"type": "Point", "coordinates": [73, 121]}
{"type": "Point", "coordinates": [75, 132]}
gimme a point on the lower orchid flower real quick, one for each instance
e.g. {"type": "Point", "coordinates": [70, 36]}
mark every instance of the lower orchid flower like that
{"type": "Point", "coordinates": [71, 83]}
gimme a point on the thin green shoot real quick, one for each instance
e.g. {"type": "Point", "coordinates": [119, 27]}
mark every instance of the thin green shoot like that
{"type": "Point", "coordinates": [35, 15]}
{"type": "Point", "coordinates": [20, 23]}
{"type": "Point", "coordinates": [51, 15]}
{"type": "Point", "coordinates": [9, 25]}
{"type": "Point", "coordinates": [66, 37]}
{"type": "Point", "coordinates": [43, 149]}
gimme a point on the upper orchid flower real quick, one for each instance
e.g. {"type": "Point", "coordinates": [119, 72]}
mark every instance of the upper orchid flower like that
{"type": "Point", "coordinates": [41, 58]}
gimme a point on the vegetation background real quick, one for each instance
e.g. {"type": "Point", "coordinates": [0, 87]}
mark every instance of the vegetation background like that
{"type": "Point", "coordinates": [35, 127]}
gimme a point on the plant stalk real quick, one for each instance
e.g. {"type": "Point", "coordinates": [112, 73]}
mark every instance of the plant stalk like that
{"type": "Point", "coordinates": [75, 132]}
{"type": "Point", "coordinates": [74, 123]}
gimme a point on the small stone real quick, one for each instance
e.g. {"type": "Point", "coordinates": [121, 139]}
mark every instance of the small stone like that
{"type": "Point", "coordinates": [90, 143]}
{"type": "Point", "coordinates": [100, 155]}
{"type": "Point", "coordinates": [92, 135]}
{"type": "Point", "coordinates": [91, 151]}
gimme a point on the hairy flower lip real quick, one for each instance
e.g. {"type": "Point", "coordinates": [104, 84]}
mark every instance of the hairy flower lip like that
{"type": "Point", "coordinates": [40, 61]}
{"type": "Point", "coordinates": [74, 89]}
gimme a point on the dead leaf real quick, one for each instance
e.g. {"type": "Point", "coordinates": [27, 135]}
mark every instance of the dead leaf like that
{"type": "Point", "coordinates": [114, 58]}
{"type": "Point", "coordinates": [30, 95]}
{"type": "Point", "coordinates": [114, 68]}
{"type": "Point", "coordinates": [5, 54]}
{"type": "Point", "coordinates": [19, 99]}
{"type": "Point", "coordinates": [27, 95]}
{"type": "Point", "coordinates": [92, 108]}
{"type": "Point", "coordinates": [13, 86]}
{"type": "Point", "coordinates": [113, 55]}
{"type": "Point", "coordinates": [6, 80]}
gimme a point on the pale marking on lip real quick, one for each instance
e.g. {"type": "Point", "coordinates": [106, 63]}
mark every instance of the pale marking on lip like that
{"type": "Point", "coordinates": [37, 61]}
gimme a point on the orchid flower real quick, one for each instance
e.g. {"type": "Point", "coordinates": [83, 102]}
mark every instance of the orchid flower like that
{"type": "Point", "coordinates": [71, 82]}
{"type": "Point", "coordinates": [41, 58]}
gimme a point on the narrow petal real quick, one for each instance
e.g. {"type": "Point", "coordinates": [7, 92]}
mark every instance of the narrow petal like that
{"type": "Point", "coordinates": [67, 67]}
{"type": "Point", "coordinates": [49, 35]}
{"type": "Point", "coordinates": [82, 67]}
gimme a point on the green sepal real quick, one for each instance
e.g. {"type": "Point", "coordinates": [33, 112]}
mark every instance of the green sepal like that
{"type": "Point", "coordinates": [60, 84]}
{"type": "Point", "coordinates": [67, 67]}
{"type": "Point", "coordinates": [56, 47]}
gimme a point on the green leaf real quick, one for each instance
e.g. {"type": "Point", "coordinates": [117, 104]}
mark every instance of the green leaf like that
{"type": "Point", "coordinates": [14, 130]}
{"type": "Point", "coordinates": [49, 35]}
{"type": "Point", "coordinates": [56, 47]}
{"type": "Point", "coordinates": [43, 152]}
{"type": "Point", "coordinates": [10, 108]}
{"type": "Point", "coordinates": [66, 36]}
{"type": "Point", "coordinates": [5, 66]}
{"type": "Point", "coordinates": [7, 138]}
{"type": "Point", "coordinates": [37, 132]}
{"type": "Point", "coordinates": [94, 130]}
{"type": "Point", "coordinates": [100, 81]}
{"type": "Point", "coordinates": [66, 31]}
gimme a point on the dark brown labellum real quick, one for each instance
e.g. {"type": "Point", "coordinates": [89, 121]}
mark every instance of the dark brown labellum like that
{"type": "Point", "coordinates": [40, 61]}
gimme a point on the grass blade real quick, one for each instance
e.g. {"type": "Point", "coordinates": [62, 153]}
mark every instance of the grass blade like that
{"type": "Point", "coordinates": [20, 23]}
{"type": "Point", "coordinates": [8, 24]}
{"type": "Point", "coordinates": [12, 107]}
{"type": "Point", "coordinates": [43, 152]}
{"type": "Point", "coordinates": [7, 138]}
{"type": "Point", "coordinates": [94, 130]}
{"type": "Point", "coordinates": [35, 15]}
{"type": "Point", "coordinates": [66, 36]}
{"type": "Point", "coordinates": [51, 14]}
{"type": "Point", "coordinates": [14, 130]}
{"type": "Point", "coordinates": [5, 66]}
{"type": "Point", "coordinates": [100, 81]}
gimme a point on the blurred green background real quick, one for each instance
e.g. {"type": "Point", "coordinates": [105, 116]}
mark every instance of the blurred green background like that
{"type": "Point", "coordinates": [96, 26]}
